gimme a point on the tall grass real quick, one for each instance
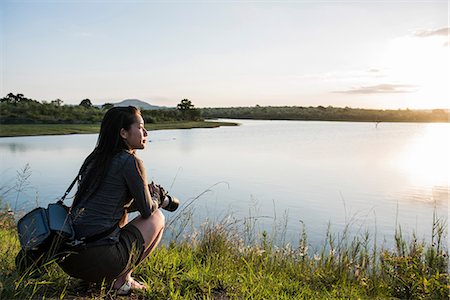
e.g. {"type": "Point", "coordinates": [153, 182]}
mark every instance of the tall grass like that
{"type": "Point", "coordinates": [220, 261]}
{"type": "Point", "coordinates": [234, 259]}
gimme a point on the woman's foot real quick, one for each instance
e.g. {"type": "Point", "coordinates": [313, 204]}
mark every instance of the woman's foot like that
{"type": "Point", "coordinates": [136, 285]}
{"type": "Point", "coordinates": [124, 287]}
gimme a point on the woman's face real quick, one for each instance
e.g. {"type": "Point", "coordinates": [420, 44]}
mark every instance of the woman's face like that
{"type": "Point", "coordinates": [136, 136]}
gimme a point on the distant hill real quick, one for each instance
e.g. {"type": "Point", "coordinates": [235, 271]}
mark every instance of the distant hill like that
{"type": "Point", "coordinates": [138, 103]}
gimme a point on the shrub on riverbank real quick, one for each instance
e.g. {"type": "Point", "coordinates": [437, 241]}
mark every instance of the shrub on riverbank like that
{"type": "Point", "coordinates": [214, 262]}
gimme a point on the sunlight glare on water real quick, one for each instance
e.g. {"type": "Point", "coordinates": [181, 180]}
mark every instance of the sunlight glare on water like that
{"type": "Point", "coordinates": [425, 160]}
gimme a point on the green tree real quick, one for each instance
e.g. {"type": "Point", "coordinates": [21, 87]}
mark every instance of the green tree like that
{"type": "Point", "coordinates": [11, 98]}
{"type": "Point", "coordinates": [86, 103]}
{"type": "Point", "coordinates": [187, 110]}
{"type": "Point", "coordinates": [8, 99]}
{"type": "Point", "coordinates": [57, 102]}
{"type": "Point", "coordinates": [107, 106]}
{"type": "Point", "coordinates": [185, 105]}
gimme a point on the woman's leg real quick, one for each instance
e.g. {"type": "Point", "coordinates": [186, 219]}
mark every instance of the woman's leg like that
{"type": "Point", "coordinates": [151, 229]}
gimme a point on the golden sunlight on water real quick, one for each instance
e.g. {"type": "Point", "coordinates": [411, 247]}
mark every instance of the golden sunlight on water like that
{"type": "Point", "coordinates": [426, 160]}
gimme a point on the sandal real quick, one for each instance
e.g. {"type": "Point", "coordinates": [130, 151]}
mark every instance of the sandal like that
{"type": "Point", "coordinates": [129, 285]}
{"type": "Point", "coordinates": [125, 289]}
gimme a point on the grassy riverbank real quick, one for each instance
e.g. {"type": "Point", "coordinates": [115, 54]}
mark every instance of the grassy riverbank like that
{"type": "Point", "coordinates": [214, 263]}
{"type": "Point", "coordinates": [11, 130]}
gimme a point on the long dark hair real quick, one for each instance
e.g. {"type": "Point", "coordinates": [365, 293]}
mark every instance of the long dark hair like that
{"type": "Point", "coordinates": [109, 143]}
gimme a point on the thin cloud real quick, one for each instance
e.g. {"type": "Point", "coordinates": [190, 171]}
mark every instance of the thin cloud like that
{"type": "Point", "coordinates": [379, 89]}
{"type": "Point", "coordinates": [344, 75]}
{"type": "Point", "coordinates": [436, 32]}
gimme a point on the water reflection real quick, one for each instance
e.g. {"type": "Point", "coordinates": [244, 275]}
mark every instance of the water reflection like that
{"type": "Point", "coordinates": [319, 172]}
{"type": "Point", "coordinates": [45, 143]}
{"type": "Point", "coordinates": [13, 147]}
{"type": "Point", "coordinates": [435, 196]}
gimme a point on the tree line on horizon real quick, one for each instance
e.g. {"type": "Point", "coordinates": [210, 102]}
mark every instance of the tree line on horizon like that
{"type": "Point", "coordinates": [330, 113]}
{"type": "Point", "coordinates": [18, 109]}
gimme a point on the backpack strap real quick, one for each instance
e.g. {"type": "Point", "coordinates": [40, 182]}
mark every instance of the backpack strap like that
{"type": "Point", "coordinates": [93, 238]}
{"type": "Point", "coordinates": [100, 235]}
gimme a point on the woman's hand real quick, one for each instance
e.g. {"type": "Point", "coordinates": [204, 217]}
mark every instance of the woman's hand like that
{"type": "Point", "coordinates": [157, 192]}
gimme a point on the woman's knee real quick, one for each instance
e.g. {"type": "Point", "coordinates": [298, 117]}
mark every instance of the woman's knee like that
{"type": "Point", "coordinates": [150, 227]}
{"type": "Point", "coordinates": [159, 219]}
{"type": "Point", "coordinates": [154, 223]}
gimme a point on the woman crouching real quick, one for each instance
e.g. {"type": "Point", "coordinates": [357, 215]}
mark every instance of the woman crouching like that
{"type": "Point", "coordinates": [112, 183]}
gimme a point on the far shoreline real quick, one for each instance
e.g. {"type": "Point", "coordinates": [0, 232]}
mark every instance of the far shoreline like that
{"type": "Point", "coordinates": [341, 120]}
{"type": "Point", "coordinates": [23, 130]}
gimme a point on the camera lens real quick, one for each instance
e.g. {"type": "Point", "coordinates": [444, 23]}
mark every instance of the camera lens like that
{"type": "Point", "coordinates": [170, 203]}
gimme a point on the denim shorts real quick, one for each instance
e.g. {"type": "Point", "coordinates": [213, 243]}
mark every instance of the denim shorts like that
{"type": "Point", "coordinates": [106, 262]}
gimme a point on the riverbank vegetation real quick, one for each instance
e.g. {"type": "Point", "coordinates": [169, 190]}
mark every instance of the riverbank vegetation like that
{"type": "Point", "coordinates": [17, 109]}
{"type": "Point", "coordinates": [20, 116]}
{"type": "Point", "coordinates": [230, 260]}
{"type": "Point", "coordinates": [329, 113]}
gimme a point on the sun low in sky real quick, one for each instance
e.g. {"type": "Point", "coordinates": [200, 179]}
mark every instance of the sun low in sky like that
{"type": "Point", "coordinates": [368, 54]}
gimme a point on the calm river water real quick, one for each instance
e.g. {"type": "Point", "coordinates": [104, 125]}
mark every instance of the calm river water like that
{"type": "Point", "coordinates": [313, 173]}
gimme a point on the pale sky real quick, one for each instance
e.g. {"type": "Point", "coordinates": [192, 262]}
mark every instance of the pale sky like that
{"type": "Point", "coordinates": [368, 54]}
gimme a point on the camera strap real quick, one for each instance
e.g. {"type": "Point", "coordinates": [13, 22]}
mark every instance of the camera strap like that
{"type": "Point", "coordinates": [69, 189]}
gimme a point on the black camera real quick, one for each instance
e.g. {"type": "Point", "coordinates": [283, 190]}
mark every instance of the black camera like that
{"type": "Point", "coordinates": [164, 200]}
